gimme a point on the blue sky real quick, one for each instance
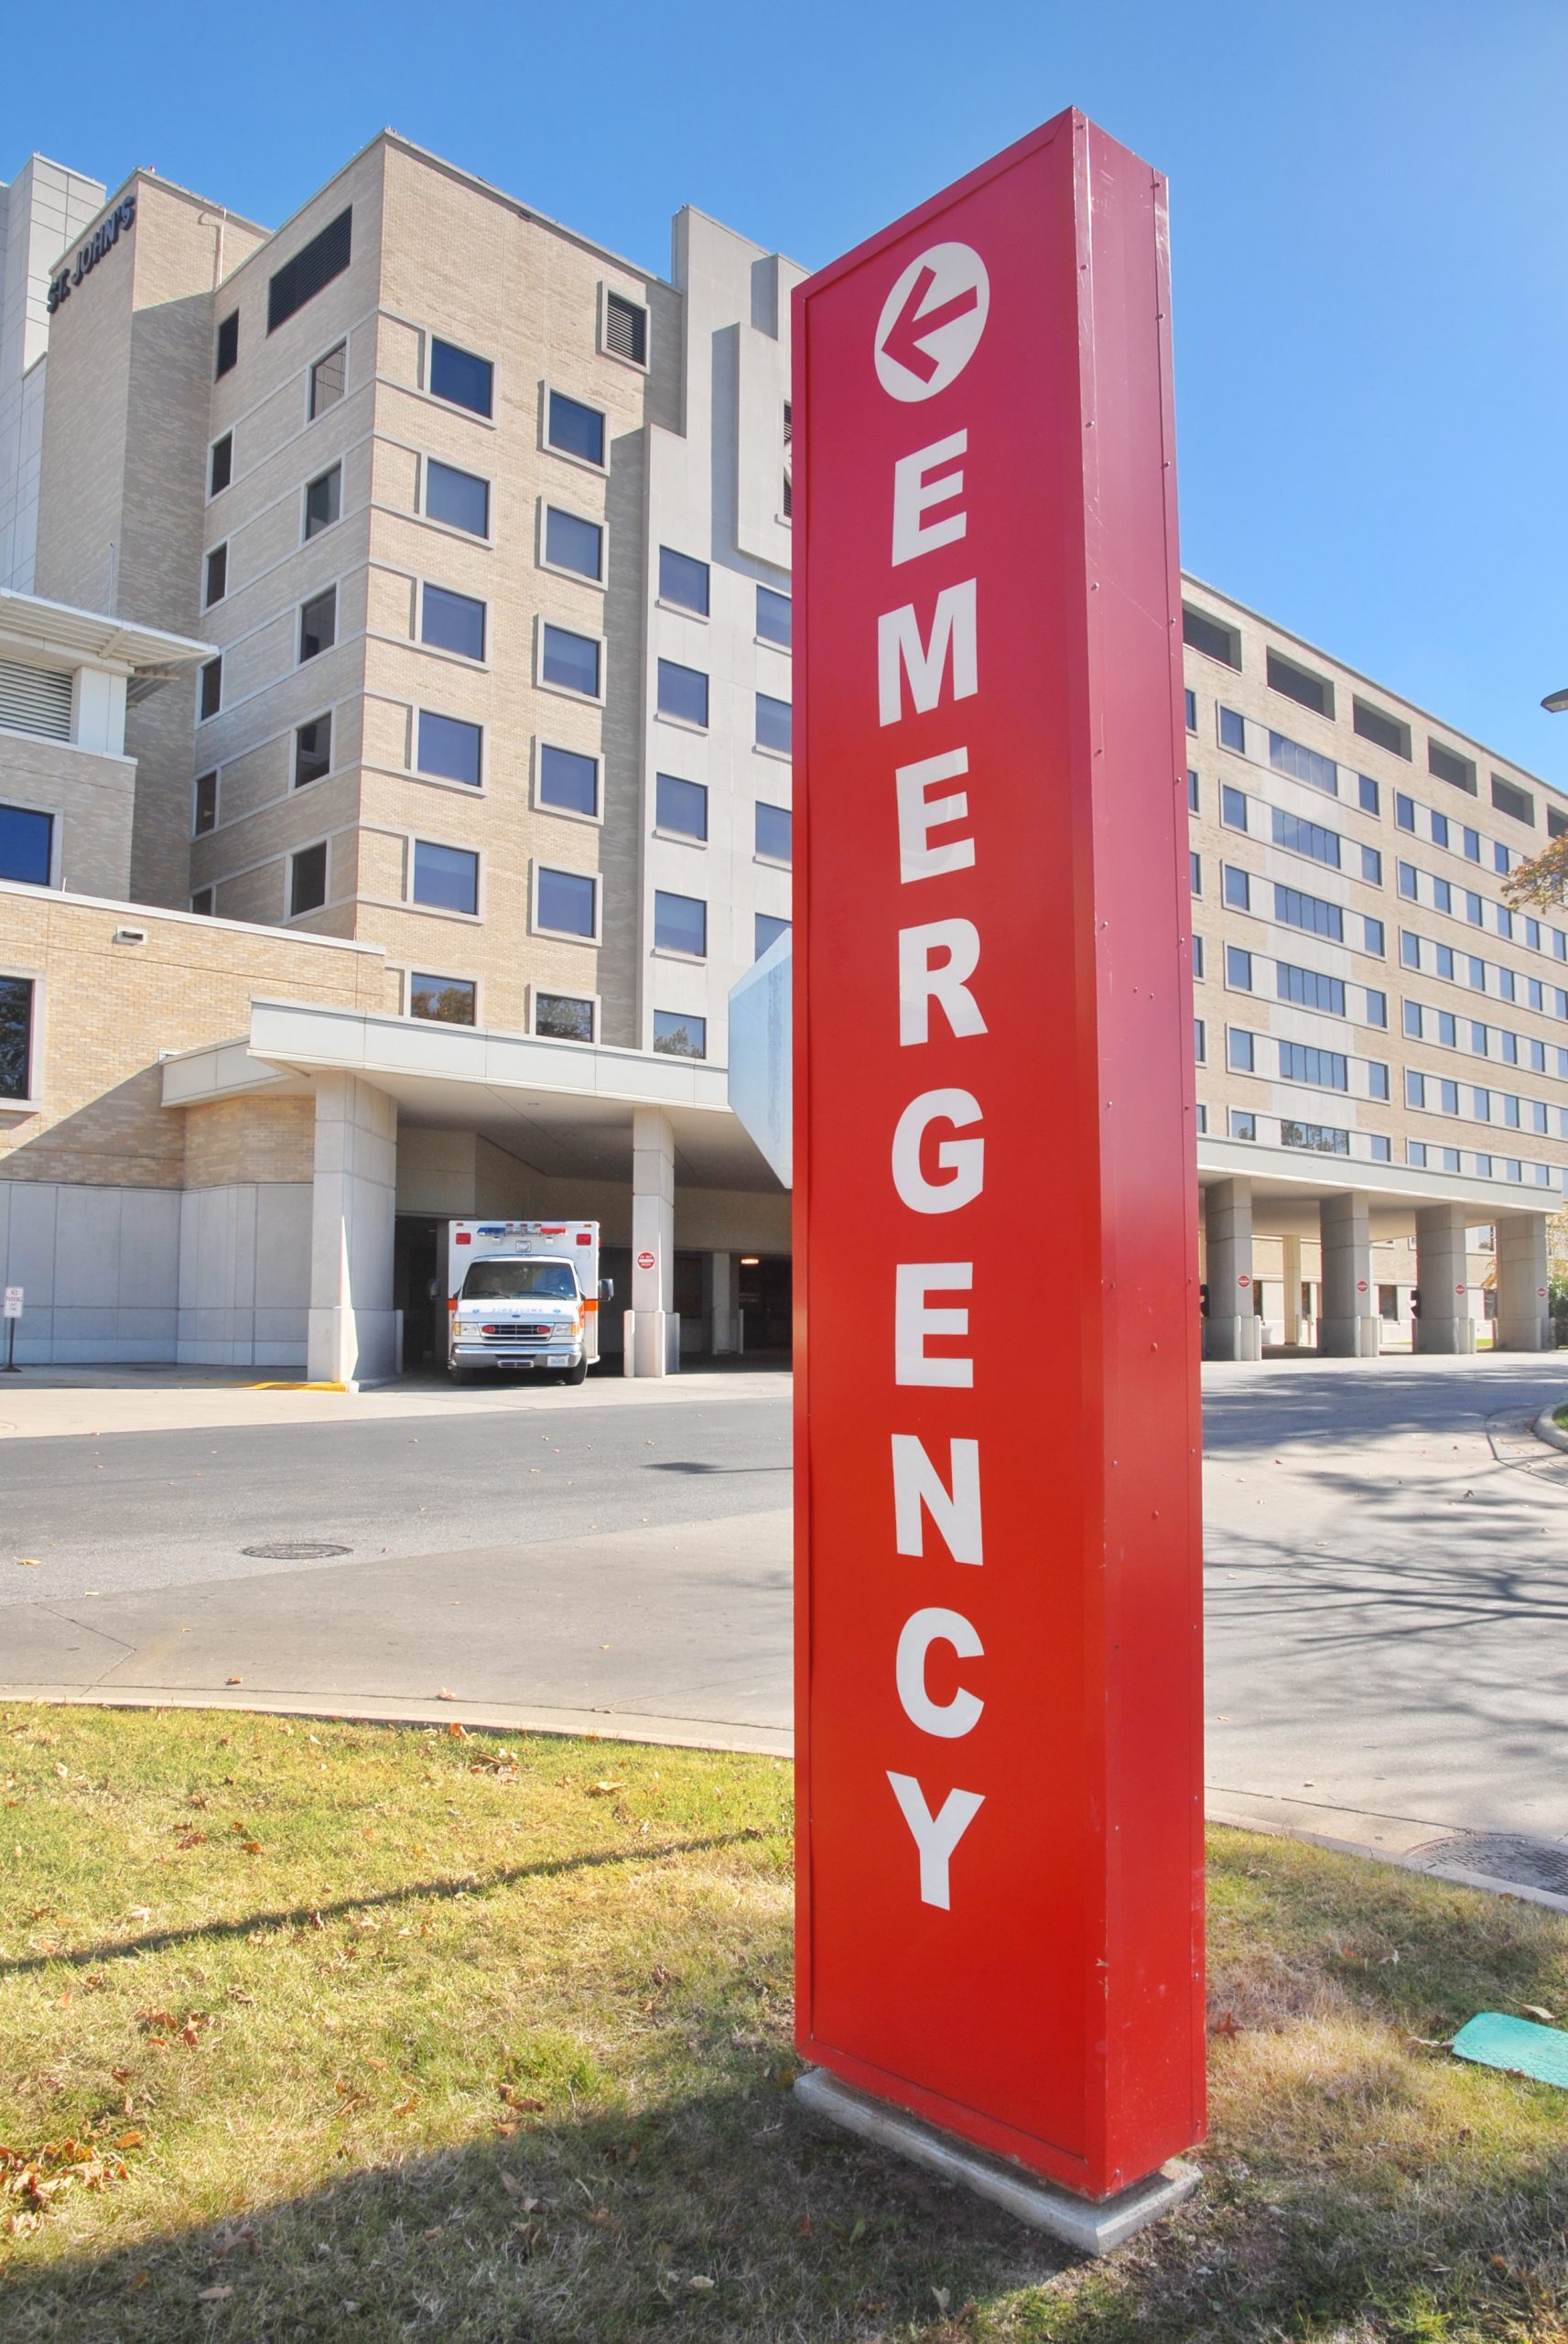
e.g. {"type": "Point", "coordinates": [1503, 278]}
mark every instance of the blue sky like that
{"type": "Point", "coordinates": [1371, 279]}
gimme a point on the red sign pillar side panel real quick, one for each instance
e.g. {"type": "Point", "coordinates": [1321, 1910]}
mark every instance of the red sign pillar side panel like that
{"type": "Point", "coordinates": [997, 1546]}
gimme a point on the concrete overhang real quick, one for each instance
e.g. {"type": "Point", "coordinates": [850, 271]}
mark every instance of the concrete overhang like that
{"type": "Point", "coordinates": [564, 1107]}
{"type": "Point", "coordinates": [1289, 1184]}
{"type": "Point", "coordinates": [69, 638]}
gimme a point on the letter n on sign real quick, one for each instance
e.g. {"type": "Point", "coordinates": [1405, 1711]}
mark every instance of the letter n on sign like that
{"type": "Point", "coordinates": [999, 1694]}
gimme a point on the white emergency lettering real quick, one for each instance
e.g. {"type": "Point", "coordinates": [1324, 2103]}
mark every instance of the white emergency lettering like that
{"type": "Point", "coordinates": [954, 1511]}
{"type": "Point", "coordinates": [935, 1836]}
{"type": "Point", "coordinates": [901, 653]}
{"type": "Point", "coordinates": [963, 1160]}
{"type": "Point", "coordinates": [951, 1719]}
{"type": "Point", "coordinates": [918, 817]}
{"type": "Point", "coordinates": [915, 1323]}
{"type": "Point", "coordinates": [915, 493]}
{"type": "Point", "coordinates": [924, 979]}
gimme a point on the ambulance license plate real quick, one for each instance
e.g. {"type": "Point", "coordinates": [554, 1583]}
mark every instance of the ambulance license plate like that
{"type": "Point", "coordinates": [559, 1358]}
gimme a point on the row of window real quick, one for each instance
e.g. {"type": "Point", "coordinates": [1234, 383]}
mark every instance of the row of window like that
{"type": "Point", "coordinates": [1477, 1103]}
{"type": "Point", "coordinates": [1319, 1069]}
{"type": "Point", "coordinates": [1297, 836]}
{"type": "Point", "coordinates": [555, 1016]}
{"type": "Point", "coordinates": [1440, 895]}
{"type": "Point", "coordinates": [1425, 1023]}
{"type": "Point", "coordinates": [1303, 987]}
{"type": "Point", "coordinates": [1434, 960]}
{"type": "Point", "coordinates": [1309, 690]}
{"type": "Point", "coordinates": [1244, 891]}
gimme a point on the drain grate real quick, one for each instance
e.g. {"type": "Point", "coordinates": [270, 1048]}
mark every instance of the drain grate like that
{"type": "Point", "coordinates": [1528, 1863]}
{"type": "Point", "coordinates": [295, 1550]}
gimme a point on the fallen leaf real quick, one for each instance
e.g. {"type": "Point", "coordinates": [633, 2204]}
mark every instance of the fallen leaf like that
{"type": "Point", "coordinates": [129, 2140]}
{"type": "Point", "coordinates": [226, 2291]}
{"type": "Point", "coordinates": [137, 2279]}
{"type": "Point", "coordinates": [515, 2098]}
{"type": "Point", "coordinates": [459, 1732]}
{"type": "Point", "coordinates": [605, 1790]}
{"type": "Point", "coordinates": [699, 2283]}
{"type": "Point", "coordinates": [406, 2107]}
{"type": "Point", "coordinates": [252, 1847]}
{"type": "Point", "coordinates": [444, 1696]}
{"type": "Point", "coordinates": [1227, 2026]}
{"type": "Point", "coordinates": [27, 1562]}
{"type": "Point", "coordinates": [214, 2295]}
{"type": "Point", "coordinates": [1533, 2010]}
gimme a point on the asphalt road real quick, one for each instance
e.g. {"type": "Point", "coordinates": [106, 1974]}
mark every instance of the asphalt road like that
{"type": "Point", "coordinates": [1387, 1600]}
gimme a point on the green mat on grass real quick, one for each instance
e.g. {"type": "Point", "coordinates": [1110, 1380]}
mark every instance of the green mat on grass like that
{"type": "Point", "coordinates": [1516, 2043]}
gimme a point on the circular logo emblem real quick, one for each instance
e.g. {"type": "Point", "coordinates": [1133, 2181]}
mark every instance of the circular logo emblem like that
{"type": "Point", "coordinates": [1244, 1279]}
{"type": "Point", "coordinates": [1459, 1289]}
{"type": "Point", "coordinates": [932, 321]}
{"type": "Point", "coordinates": [1360, 1285]}
{"type": "Point", "coordinates": [644, 1260]}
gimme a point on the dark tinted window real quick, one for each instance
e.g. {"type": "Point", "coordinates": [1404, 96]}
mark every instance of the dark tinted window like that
{"type": "Point", "coordinates": [228, 343]}
{"type": "Point", "coordinates": [683, 581]}
{"type": "Point", "coordinates": [1509, 800]}
{"type": "Point", "coordinates": [500, 1281]}
{"type": "Point", "coordinates": [680, 923]}
{"type": "Point", "coordinates": [1210, 636]}
{"type": "Point", "coordinates": [680, 805]}
{"type": "Point", "coordinates": [451, 746]}
{"type": "Point", "coordinates": [201, 902]}
{"type": "Point", "coordinates": [308, 880]}
{"type": "Point", "coordinates": [323, 501]}
{"type": "Point", "coordinates": [211, 688]}
{"type": "Point", "coordinates": [769, 930]}
{"type": "Point", "coordinates": [204, 811]}
{"type": "Point", "coordinates": [626, 328]}
{"type": "Point", "coordinates": [217, 575]}
{"type": "Point", "coordinates": [566, 902]}
{"type": "Point", "coordinates": [16, 1037]}
{"type": "Point", "coordinates": [568, 779]}
{"type": "Point", "coordinates": [774, 828]}
{"type": "Point", "coordinates": [452, 622]}
{"type": "Point", "coordinates": [313, 265]}
{"type": "Point", "coordinates": [570, 660]}
{"type": "Point", "coordinates": [775, 617]}
{"type": "Point", "coordinates": [1300, 684]}
{"type": "Point", "coordinates": [572, 543]}
{"type": "Point", "coordinates": [460, 499]}
{"type": "Point", "coordinates": [319, 625]}
{"type": "Point", "coordinates": [575, 429]}
{"type": "Point", "coordinates": [328, 378]}
{"type": "Point", "coordinates": [446, 876]}
{"type": "Point", "coordinates": [26, 842]}
{"type": "Point", "coordinates": [682, 692]}
{"type": "Point", "coordinates": [677, 1036]}
{"type": "Point", "coordinates": [563, 1017]}
{"type": "Point", "coordinates": [312, 751]}
{"type": "Point", "coordinates": [447, 1001]}
{"type": "Point", "coordinates": [222, 465]}
{"type": "Point", "coordinates": [1373, 724]}
{"type": "Point", "coordinates": [460, 377]}
{"type": "Point", "coordinates": [773, 723]}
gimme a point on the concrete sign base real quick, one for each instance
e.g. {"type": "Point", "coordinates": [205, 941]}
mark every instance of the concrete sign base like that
{"type": "Point", "coordinates": [1092, 2225]}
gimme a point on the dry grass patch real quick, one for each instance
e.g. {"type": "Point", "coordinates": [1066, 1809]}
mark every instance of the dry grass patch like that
{"type": "Point", "coordinates": [321, 2031]}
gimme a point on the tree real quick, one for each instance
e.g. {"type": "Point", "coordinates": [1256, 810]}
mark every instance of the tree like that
{"type": "Point", "coordinates": [1540, 881]}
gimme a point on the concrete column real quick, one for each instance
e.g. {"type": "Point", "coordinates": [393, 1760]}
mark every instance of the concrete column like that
{"type": "Point", "coordinates": [1444, 1324]}
{"type": "Point", "coordinates": [720, 1281]}
{"type": "Point", "coordinates": [1291, 1253]}
{"type": "Point", "coordinates": [1347, 1324]}
{"type": "Point", "coordinates": [651, 1329]}
{"type": "Point", "coordinates": [1524, 1321]}
{"type": "Point", "coordinates": [1232, 1329]}
{"type": "Point", "coordinates": [352, 1325]}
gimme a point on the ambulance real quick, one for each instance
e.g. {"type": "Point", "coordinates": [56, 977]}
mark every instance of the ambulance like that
{"type": "Point", "coordinates": [524, 1296]}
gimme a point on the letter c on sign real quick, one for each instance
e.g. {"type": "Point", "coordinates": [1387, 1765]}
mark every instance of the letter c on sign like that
{"type": "Point", "coordinates": [934, 1626]}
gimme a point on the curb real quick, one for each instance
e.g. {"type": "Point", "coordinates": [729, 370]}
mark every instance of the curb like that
{"type": "Point", "coordinates": [1544, 1429]}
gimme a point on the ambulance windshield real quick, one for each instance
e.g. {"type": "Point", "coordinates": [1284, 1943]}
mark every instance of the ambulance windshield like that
{"type": "Point", "coordinates": [503, 1281]}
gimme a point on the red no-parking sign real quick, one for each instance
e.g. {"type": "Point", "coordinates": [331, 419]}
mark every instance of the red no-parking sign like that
{"type": "Point", "coordinates": [999, 1665]}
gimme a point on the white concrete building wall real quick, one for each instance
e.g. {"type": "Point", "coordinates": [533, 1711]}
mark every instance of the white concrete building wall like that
{"type": "Point", "coordinates": [244, 1275]}
{"type": "Point", "coordinates": [99, 1268]}
{"type": "Point", "coordinates": [44, 208]}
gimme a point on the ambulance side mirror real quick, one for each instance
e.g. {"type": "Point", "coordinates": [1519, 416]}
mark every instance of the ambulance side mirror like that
{"type": "Point", "coordinates": [607, 1289]}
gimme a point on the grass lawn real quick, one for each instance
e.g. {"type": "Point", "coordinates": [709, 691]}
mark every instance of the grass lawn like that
{"type": "Point", "coordinates": [373, 2033]}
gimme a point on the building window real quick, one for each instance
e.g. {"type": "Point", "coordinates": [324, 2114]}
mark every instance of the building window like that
{"type": "Point", "coordinates": [1323, 1069]}
{"type": "Point", "coordinates": [1193, 806]}
{"type": "Point", "coordinates": [774, 832]}
{"type": "Point", "coordinates": [768, 928]}
{"type": "Point", "coordinates": [445, 877]}
{"type": "Point", "coordinates": [1199, 1046]}
{"type": "Point", "coordinates": [1194, 872]}
{"type": "Point", "coordinates": [625, 329]}
{"type": "Point", "coordinates": [228, 345]}
{"type": "Point", "coordinates": [678, 1036]}
{"type": "Point", "coordinates": [1300, 684]}
{"type": "Point", "coordinates": [683, 581]}
{"type": "Point", "coordinates": [1237, 968]}
{"type": "Point", "coordinates": [573, 543]}
{"type": "Point", "coordinates": [1324, 1139]}
{"type": "Point", "coordinates": [566, 902]}
{"type": "Point", "coordinates": [567, 780]}
{"type": "Point", "coordinates": [569, 661]}
{"type": "Point", "coordinates": [222, 471]}
{"type": "Point", "coordinates": [314, 266]}
{"type": "Point", "coordinates": [563, 1017]}
{"type": "Point", "coordinates": [211, 693]}
{"type": "Point", "coordinates": [680, 807]}
{"type": "Point", "coordinates": [1377, 1080]}
{"type": "Point", "coordinates": [1382, 1147]}
{"type": "Point", "coordinates": [573, 429]}
{"type": "Point", "coordinates": [202, 902]}
{"type": "Point", "coordinates": [1243, 1123]}
{"type": "Point", "coordinates": [1376, 1009]}
{"type": "Point", "coordinates": [308, 879]}
{"type": "Point", "coordinates": [319, 625]}
{"type": "Point", "coordinates": [680, 924]}
{"type": "Point", "coordinates": [204, 805]}
{"type": "Point", "coordinates": [460, 378]}
{"type": "Point", "coordinates": [773, 723]}
{"type": "Point", "coordinates": [1294, 910]}
{"type": "Point", "coordinates": [1448, 765]}
{"type": "Point", "coordinates": [329, 379]}
{"type": "Point", "coordinates": [1518, 804]}
{"type": "Point", "coordinates": [1238, 888]}
{"type": "Point", "coordinates": [446, 1001]}
{"type": "Point", "coordinates": [312, 751]}
{"type": "Point", "coordinates": [775, 618]}
{"type": "Point", "coordinates": [459, 499]}
{"type": "Point", "coordinates": [1238, 1049]}
{"type": "Point", "coordinates": [1232, 807]}
{"type": "Point", "coordinates": [1309, 988]}
{"type": "Point", "coordinates": [1374, 724]}
{"type": "Point", "coordinates": [217, 581]}
{"type": "Point", "coordinates": [449, 622]}
{"type": "Point", "coordinates": [26, 845]}
{"type": "Point", "coordinates": [1293, 758]}
{"type": "Point", "coordinates": [1197, 957]}
{"type": "Point", "coordinates": [1192, 707]}
{"type": "Point", "coordinates": [16, 1038]}
{"type": "Point", "coordinates": [1368, 795]}
{"type": "Point", "coordinates": [1371, 866]}
{"type": "Point", "coordinates": [450, 747]}
{"type": "Point", "coordinates": [323, 501]}
{"type": "Point", "coordinates": [1372, 937]}
{"type": "Point", "coordinates": [1306, 838]}
{"type": "Point", "coordinates": [1206, 634]}
{"type": "Point", "coordinates": [683, 693]}
{"type": "Point", "coordinates": [1404, 812]}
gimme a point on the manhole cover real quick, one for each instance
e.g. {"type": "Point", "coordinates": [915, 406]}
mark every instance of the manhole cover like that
{"type": "Point", "coordinates": [295, 1550]}
{"type": "Point", "coordinates": [1529, 1863]}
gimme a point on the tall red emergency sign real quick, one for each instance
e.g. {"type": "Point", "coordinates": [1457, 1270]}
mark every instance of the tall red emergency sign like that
{"type": "Point", "coordinates": [998, 1640]}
